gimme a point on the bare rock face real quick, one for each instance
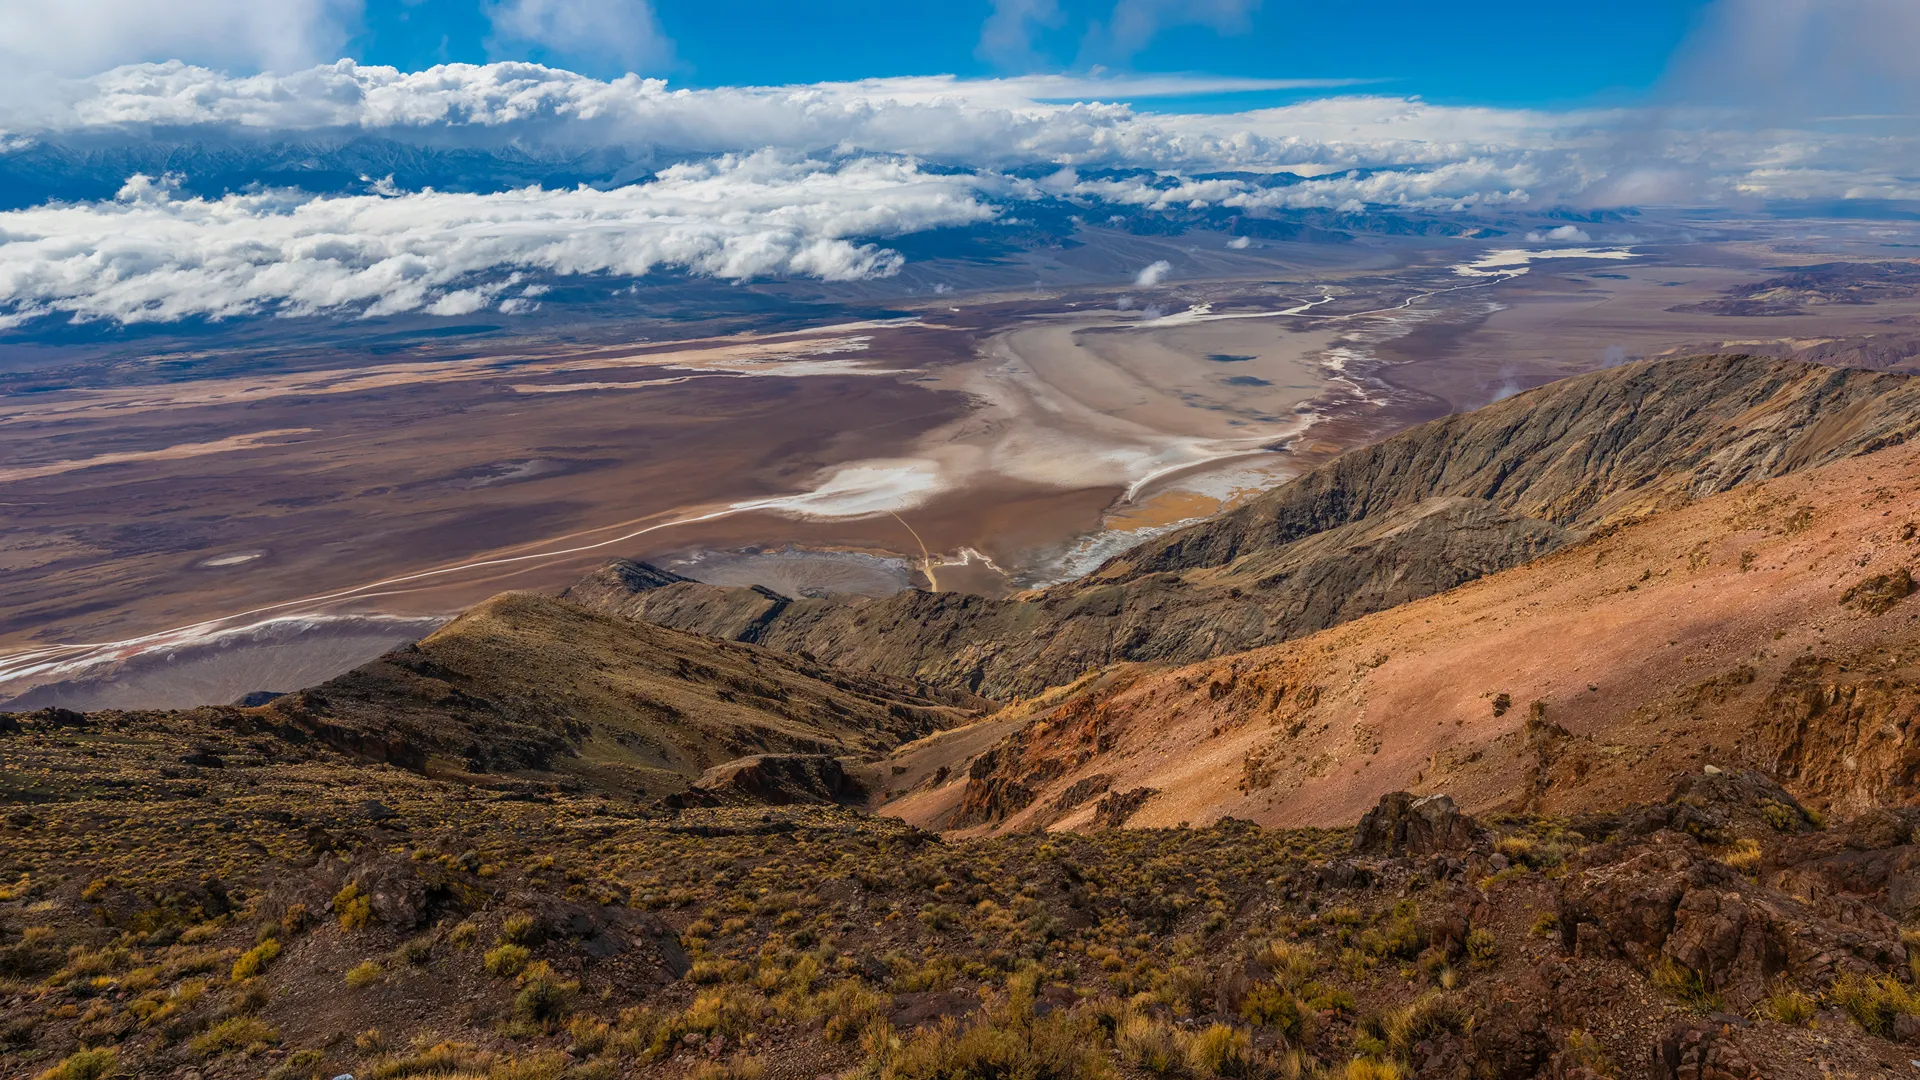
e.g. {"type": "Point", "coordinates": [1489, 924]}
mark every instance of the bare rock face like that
{"type": "Point", "coordinates": [393, 885]}
{"type": "Point", "coordinates": [1702, 1051]}
{"type": "Point", "coordinates": [1405, 824]}
{"type": "Point", "coordinates": [1663, 901]}
{"type": "Point", "coordinates": [1113, 811]}
{"type": "Point", "coordinates": [773, 780]}
{"type": "Point", "coordinates": [1714, 805]}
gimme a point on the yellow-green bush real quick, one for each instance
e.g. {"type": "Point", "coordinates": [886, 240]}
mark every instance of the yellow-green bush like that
{"type": "Point", "coordinates": [1221, 1050]}
{"type": "Point", "coordinates": [1874, 1000]}
{"type": "Point", "coordinates": [255, 960]}
{"type": "Point", "coordinates": [354, 908]}
{"type": "Point", "coordinates": [85, 1065]}
{"type": "Point", "coordinates": [506, 961]}
{"type": "Point", "coordinates": [244, 1033]}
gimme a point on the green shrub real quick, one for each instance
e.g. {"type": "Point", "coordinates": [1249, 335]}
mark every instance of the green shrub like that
{"type": "Point", "coordinates": [1482, 947]}
{"type": "Point", "coordinates": [506, 961]}
{"type": "Point", "coordinates": [300, 1065]}
{"type": "Point", "coordinates": [255, 960]}
{"type": "Point", "coordinates": [1789, 1006]}
{"type": "Point", "coordinates": [521, 930]}
{"type": "Point", "coordinates": [416, 951]}
{"type": "Point", "coordinates": [544, 1000]}
{"type": "Point", "coordinates": [1150, 1044]}
{"type": "Point", "coordinates": [1873, 1001]}
{"type": "Point", "coordinates": [1221, 1050]}
{"type": "Point", "coordinates": [1686, 985]}
{"type": "Point", "coordinates": [363, 974]}
{"type": "Point", "coordinates": [442, 1059]}
{"type": "Point", "coordinates": [1273, 1006]}
{"type": "Point", "coordinates": [1431, 1015]}
{"type": "Point", "coordinates": [244, 1033]}
{"type": "Point", "coordinates": [85, 1065]}
{"type": "Point", "coordinates": [1058, 1046]}
{"type": "Point", "coordinates": [354, 908]}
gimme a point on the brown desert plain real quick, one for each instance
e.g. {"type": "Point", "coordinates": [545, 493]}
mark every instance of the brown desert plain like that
{"type": "Point", "coordinates": [261, 527]}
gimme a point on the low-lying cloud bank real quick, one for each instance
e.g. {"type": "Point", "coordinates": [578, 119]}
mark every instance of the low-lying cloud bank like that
{"type": "Point", "coordinates": [165, 191]}
{"type": "Point", "coordinates": [153, 256]}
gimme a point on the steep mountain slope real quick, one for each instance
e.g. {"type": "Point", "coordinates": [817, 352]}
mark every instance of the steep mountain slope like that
{"type": "Point", "coordinates": [1414, 515]}
{"type": "Point", "coordinates": [1768, 627]}
{"type": "Point", "coordinates": [530, 682]}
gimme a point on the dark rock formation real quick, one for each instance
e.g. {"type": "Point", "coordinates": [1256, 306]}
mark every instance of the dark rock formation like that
{"type": "Point", "coordinates": [1410, 825]}
{"type": "Point", "coordinates": [1113, 811]}
{"type": "Point", "coordinates": [773, 780]}
{"type": "Point", "coordinates": [1701, 1051]}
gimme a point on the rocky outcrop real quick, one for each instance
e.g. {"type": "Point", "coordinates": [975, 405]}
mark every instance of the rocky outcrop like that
{"type": "Point", "coordinates": [1717, 806]}
{"type": "Point", "coordinates": [1118, 807]}
{"type": "Point", "coordinates": [617, 580]}
{"type": "Point", "coordinates": [1664, 904]}
{"type": "Point", "coordinates": [1410, 825]}
{"type": "Point", "coordinates": [1844, 728]}
{"type": "Point", "coordinates": [1702, 1051]}
{"type": "Point", "coordinates": [1414, 515]}
{"type": "Point", "coordinates": [773, 780]}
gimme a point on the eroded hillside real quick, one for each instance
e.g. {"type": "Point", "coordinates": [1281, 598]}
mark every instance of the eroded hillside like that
{"type": "Point", "coordinates": [1414, 515]}
{"type": "Point", "coordinates": [529, 683]}
{"type": "Point", "coordinates": [1766, 627]}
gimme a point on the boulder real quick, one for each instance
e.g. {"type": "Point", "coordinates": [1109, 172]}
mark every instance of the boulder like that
{"type": "Point", "coordinates": [1701, 1051]}
{"type": "Point", "coordinates": [1405, 824]}
{"type": "Point", "coordinates": [395, 889]}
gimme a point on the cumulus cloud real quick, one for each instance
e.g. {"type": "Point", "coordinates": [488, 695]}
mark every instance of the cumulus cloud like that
{"type": "Point", "coordinates": [1405, 151]}
{"type": "Point", "coordinates": [623, 34]}
{"type": "Point", "coordinates": [1153, 273]}
{"type": "Point", "coordinates": [738, 182]}
{"type": "Point", "coordinates": [151, 255]}
{"type": "Point", "coordinates": [81, 37]}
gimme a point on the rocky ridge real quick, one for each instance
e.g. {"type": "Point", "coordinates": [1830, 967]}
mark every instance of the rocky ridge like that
{"type": "Point", "coordinates": [1419, 513]}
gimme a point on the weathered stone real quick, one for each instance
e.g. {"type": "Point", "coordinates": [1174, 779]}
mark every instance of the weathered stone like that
{"type": "Point", "coordinates": [1405, 824]}
{"type": "Point", "coordinates": [773, 780]}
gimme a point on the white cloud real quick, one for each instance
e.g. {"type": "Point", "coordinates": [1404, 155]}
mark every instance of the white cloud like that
{"type": "Point", "coordinates": [1240, 243]}
{"type": "Point", "coordinates": [81, 37]}
{"type": "Point", "coordinates": [621, 33]}
{"type": "Point", "coordinates": [1407, 152]}
{"type": "Point", "coordinates": [737, 194]}
{"type": "Point", "coordinates": [1153, 273]}
{"type": "Point", "coordinates": [1135, 23]}
{"type": "Point", "coordinates": [153, 256]}
{"type": "Point", "coordinates": [1006, 37]}
{"type": "Point", "coordinates": [1564, 234]}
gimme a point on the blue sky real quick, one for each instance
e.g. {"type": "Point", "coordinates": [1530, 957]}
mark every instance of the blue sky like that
{"type": "Point", "coordinates": [1503, 52]}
